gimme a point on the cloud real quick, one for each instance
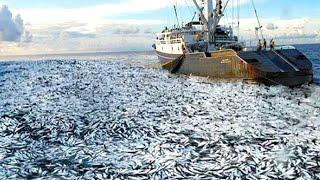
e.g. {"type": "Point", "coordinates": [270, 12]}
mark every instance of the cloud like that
{"type": "Point", "coordinates": [284, 31]}
{"type": "Point", "coordinates": [92, 28]}
{"type": "Point", "coordinates": [271, 26]}
{"type": "Point", "coordinates": [149, 31]}
{"type": "Point", "coordinates": [127, 30]}
{"type": "Point", "coordinates": [27, 37]}
{"type": "Point", "coordinates": [317, 34]}
{"type": "Point", "coordinates": [297, 36]}
{"type": "Point", "coordinates": [93, 13]}
{"type": "Point", "coordinates": [75, 34]}
{"type": "Point", "coordinates": [11, 29]}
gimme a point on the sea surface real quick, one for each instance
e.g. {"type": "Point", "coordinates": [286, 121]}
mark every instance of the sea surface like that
{"type": "Point", "coordinates": [118, 116]}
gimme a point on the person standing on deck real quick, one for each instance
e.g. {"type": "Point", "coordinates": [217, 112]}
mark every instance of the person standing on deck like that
{"type": "Point", "coordinates": [259, 45]}
{"type": "Point", "coordinates": [264, 44]}
{"type": "Point", "coordinates": [272, 44]}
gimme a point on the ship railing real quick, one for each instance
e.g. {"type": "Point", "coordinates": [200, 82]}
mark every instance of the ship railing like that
{"type": "Point", "coordinates": [228, 39]}
{"type": "Point", "coordinates": [176, 41]}
{"type": "Point", "coordinates": [173, 41]}
{"type": "Point", "coordinates": [281, 47]}
{"type": "Point", "coordinates": [284, 47]}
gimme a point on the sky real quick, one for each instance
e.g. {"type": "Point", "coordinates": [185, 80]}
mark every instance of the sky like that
{"type": "Point", "coordinates": [60, 26]}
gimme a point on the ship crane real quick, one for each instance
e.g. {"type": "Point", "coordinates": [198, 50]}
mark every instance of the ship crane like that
{"type": "Point", "coordinates": [210, 18]}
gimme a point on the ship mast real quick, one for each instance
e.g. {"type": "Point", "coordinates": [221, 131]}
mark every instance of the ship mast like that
{"type": "Point", "coordinates": [210, 18]}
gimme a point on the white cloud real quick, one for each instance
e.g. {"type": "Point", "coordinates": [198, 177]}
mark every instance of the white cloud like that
{"type": "Point", "coordinates": [271, 26]}
{"type": "Point", "coordinates": [95, 14]}
{"type": "Point", "coordinates": [130, 30]}
{"type": "Point", "coordinates": [291, 31]}
{"type": "Point", "coordinates": [11, 29]}
{"type": "Point", "coordinates": [317, 32]}
{"type": "Point", "coordinates": [91, 14]}
{"type": "Point", "coordinates": [96, 28]}
{"type": "Point", "coordinates": [75, 34]}
{"type": "Point", "coordinates": [84, 29]}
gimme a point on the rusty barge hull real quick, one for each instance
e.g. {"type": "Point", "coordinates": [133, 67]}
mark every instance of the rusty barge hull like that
{"type": "Point", "coordinates": [280, 67]}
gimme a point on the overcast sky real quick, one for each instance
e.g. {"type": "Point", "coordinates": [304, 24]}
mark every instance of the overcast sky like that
{"type": "Point", "coordinates": [60, 26]}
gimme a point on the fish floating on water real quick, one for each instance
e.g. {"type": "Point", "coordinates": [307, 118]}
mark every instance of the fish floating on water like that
{"type": "Point", "coordinates": [75, 119]}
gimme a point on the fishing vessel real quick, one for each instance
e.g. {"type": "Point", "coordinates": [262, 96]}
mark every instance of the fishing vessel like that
{"type": "Point", "coordinates": [206, 48]}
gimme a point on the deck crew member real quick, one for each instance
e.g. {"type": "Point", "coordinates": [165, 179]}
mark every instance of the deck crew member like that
{"type": "Point", "coordinates": [272, 44]}
{"type": "Point", "coordinates": [197, 37]}
{"type": "Point", "coordinates": [264, 44]}
{"type": "Point", "coordinates": [259, 45]}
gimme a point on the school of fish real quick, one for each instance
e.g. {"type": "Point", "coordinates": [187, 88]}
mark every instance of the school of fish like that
{"type": "Point", "coordinates": [111, 118]}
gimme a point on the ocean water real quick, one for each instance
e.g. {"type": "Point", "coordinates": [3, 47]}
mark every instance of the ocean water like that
{"type": "Point", "coordinates": [118, 116]}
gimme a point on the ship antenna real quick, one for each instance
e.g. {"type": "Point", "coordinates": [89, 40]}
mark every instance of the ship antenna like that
{"type": "Point", "coordinates": [238, 6]}
{"type": "Point", "coordinates": [255, 11]}
{"type": "Point", "coordinates": [175, 11]}
{"type": "Point", "coordinates": [194, 16]}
